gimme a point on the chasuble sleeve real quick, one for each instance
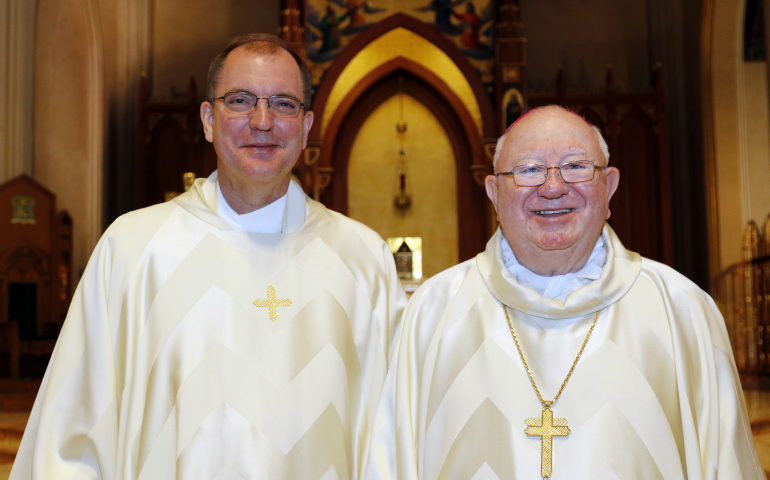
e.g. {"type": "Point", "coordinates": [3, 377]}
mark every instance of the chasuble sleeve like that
{"type": "Point", "coordinates": [727, 449]}
{"type": "Point", "coordinates": [397, 436]}
{"type": "Point", "coordinates": [718, 440]}
{"type": "Point", "coordinates": [73, 431]}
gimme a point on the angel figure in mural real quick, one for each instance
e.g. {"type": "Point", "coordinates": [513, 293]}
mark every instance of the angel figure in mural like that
{"type": "Point", "coordinates": [330, 27]}
{"type": "Point", "coordinates": [471, 23]}
{"type": "Point", "coordinates": [476, 25]}
{"type": "Point", "coordinates": [357, 11]}
{"type": "Point", "coordinates": [443, 15]}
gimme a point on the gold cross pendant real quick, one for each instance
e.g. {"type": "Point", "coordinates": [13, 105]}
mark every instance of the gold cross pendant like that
{"type": "Point", "coordinates": [272, 303]}
{"type": "Point", "coordinates": [546, 428]}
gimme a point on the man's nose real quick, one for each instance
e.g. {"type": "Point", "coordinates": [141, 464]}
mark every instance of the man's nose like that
{"type": "Point", "coordinates": [554, 186]}
{"type": "Point", "coordinates": [261, 118]}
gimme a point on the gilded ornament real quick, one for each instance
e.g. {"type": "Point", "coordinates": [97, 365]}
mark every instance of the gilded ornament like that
{"type": "Point", "coordinates": [547, 427]}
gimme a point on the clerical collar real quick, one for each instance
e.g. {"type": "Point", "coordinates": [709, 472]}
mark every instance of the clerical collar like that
{"type": "Point", "coordinates": [558, 286]}
{"type": "Point", "coordinates": [268, 219]}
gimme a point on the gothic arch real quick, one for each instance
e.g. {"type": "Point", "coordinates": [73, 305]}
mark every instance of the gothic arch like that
{"type": "Point", "coordinates": [400, 20]}
{"type": "Point", "coordinates": [423, 85]}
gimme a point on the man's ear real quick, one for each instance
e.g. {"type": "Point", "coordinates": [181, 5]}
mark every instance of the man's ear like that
{"type": "Point", "coordinates": [611, 181]}
{"type": "Point", "coordinates": [307, 124]}
{"type": "Point", "coordinates": [491, 185]}
{"type": "Point", "coordinates": [207, 117]}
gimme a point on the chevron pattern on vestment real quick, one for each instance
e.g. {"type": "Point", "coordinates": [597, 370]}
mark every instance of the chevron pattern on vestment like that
{"type": "Point", "coordinates": [485, 439]}
{"type": "Point", "coordinates": [485, 472]}
{"type": "Point", "coordinates": [214, 263]}
{"type": "Point", "coordinates": [456, 347]}
{"type": "Point", "coordinates": [195, 317]}
{"type": "Point", "coordinates": [282, 418]}
{"type": "Point", "coordinates": [234, 442]}
{"type": "Point", "coordinates": [278, 356]}
{"type": "Point", "coordinates": [605, 379]}
{"type": "Point", "coordinates": [629, 458]}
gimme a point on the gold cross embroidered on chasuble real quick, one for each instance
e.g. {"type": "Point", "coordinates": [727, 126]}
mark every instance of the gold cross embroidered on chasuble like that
{"type": "Point", "coordinates": [272, 303]}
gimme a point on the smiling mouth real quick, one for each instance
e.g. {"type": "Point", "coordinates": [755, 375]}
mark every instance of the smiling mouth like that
{"type": "Point", "coordinates": [553, 212]}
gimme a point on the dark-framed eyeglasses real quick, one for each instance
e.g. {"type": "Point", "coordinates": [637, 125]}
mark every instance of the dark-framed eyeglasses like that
{"type": "Point", "coordinates": [243, 103]}
{"type": "Point", "coordinates": [535, 175]}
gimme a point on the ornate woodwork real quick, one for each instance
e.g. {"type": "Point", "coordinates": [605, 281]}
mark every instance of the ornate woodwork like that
{"type": "Point", "coordinates": [634, 126]}
{"type": "Point", "coordinates": [35, 263]}
{"type": "Point", "coordinates": [171, 143]}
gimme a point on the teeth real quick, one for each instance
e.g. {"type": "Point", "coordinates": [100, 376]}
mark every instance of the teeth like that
{"type": "Point", "coordinates": [553, 212]}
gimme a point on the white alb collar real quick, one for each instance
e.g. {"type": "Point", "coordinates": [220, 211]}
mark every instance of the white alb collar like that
{"type": "Point", "coordinates": [268, 219]}
{"type": "Point", "coordinates": [558, 286]}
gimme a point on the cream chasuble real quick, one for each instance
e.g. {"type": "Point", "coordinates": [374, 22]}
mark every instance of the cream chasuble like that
{"type": "Point", "coordinates": [195, 351]}
{"type": "Point", "coordinates": [655, 394]}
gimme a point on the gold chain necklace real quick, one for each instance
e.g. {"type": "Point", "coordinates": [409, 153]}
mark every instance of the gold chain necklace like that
{"type": "Point", "coordinates": [546, 427]}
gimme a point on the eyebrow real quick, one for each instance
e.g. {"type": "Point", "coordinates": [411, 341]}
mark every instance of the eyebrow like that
{"type": "Point", "coordinates": [576, 152]}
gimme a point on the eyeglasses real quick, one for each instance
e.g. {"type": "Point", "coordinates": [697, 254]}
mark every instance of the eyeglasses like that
{"type": "Point", "coordinates": [243, 103]}
{"type": "Point", "coordinates": [534, 175]}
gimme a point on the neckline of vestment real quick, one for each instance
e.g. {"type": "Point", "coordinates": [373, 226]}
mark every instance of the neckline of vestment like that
{"type": "Point", "coordinates": [557, 286]}
{"type": "Point", "coordinates": [268, 219]}
{"type": "Point", "coordinates": [300, 215]}
{"type": "Point", "coordinates": [619, 273]}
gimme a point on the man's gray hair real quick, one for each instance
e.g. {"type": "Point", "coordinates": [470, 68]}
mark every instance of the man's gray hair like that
{"type": "Point", "coordinates": [597, 132]}
{"type": "Point", "coordinates": [602, 143]}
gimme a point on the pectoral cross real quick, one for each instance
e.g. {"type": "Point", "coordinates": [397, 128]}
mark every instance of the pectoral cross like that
{"type": "Point", "coordinates": [546, 427]}
{"type": "Point", "coordinates": [272, 303]}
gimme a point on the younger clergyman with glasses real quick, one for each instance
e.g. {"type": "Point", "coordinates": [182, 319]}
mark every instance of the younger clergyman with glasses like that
{"type": "Point", "coordinates": [241, 330]}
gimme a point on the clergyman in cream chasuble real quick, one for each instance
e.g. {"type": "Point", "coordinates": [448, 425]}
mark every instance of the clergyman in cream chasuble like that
{"type": "Point", "coordinates": [175, 363]}
{"type": "Point", "coordinates": [655, 394]}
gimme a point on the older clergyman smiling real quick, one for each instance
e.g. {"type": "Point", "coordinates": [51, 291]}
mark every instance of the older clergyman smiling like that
{"type": "Point", "coordinates": [555, 193]}
{"type": "Point", "coordinates": [557, 353]}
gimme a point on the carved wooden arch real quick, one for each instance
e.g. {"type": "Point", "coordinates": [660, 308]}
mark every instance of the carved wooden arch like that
{"type": "Point", "coordinates": [24, 256]}
{"type": "Point", "coordinates": [385, 70]}
{"type": "Point", "coordinates": [23, 261]}
{"type": "Point", "coordinates": [373, 90]}
{"type": "Point", "coordinates": [420, 28]}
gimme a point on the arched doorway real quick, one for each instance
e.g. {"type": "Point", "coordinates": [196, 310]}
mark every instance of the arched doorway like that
{"type": "Point", "coordinates": [431, 177]}
{"type": "Point", "coordinates": [404, 76]}
{"type": "Point", "coordinates": [436, 73]}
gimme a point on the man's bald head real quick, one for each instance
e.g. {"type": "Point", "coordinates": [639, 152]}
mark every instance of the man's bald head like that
{"type": "Point", "coordinates": [501, 141]}
{"type": "Point", "coordinates": [552, 227]}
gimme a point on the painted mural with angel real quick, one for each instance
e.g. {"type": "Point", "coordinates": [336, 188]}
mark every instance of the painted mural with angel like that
{"type": "Point", "coordinates": [332, 20]}
{"type": "Point", "coordinates": [332, 24]}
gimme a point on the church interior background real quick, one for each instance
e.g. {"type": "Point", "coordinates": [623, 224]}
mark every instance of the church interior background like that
{"type": "Point", "coordinates": [99, 116]}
